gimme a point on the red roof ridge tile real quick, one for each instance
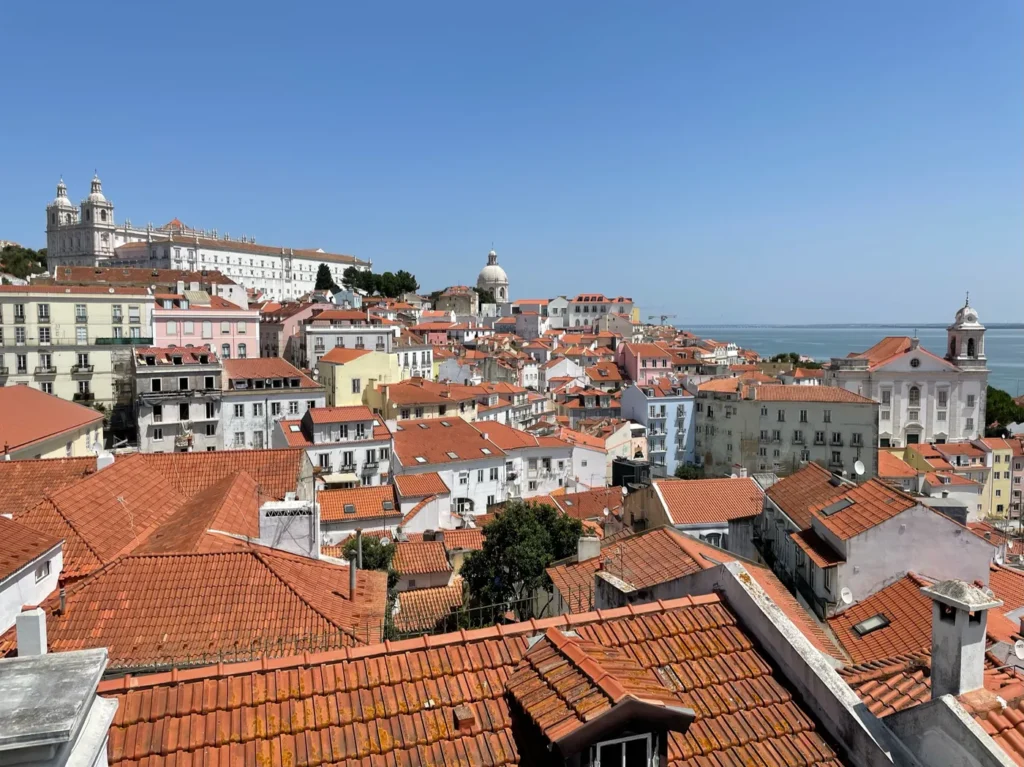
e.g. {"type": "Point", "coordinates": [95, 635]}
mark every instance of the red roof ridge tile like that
{"type": "Point", "coordinates": [220, 671]}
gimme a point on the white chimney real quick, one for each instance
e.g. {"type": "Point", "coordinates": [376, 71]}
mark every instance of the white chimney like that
{"type": "Point", "coordinates": [587, 547]}
{"type": "Point", "coordinates": [31, 631]}
{"type": "Point", "coordinates": [959, 617]}
{"type": "Point", "coordinates": [103, 460]}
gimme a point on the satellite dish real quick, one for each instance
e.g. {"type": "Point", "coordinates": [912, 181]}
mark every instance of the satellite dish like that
{"type": "Point", "coordinates": [1018, 649]}
{"type": "Point", "coordinates": [624, 490]}
{"type": "Point", "coordinates": [858, 468]}
{"type": "Point", "coordinates": [847, 596]}
{"type": "Point", "coordinates": [606, 511]}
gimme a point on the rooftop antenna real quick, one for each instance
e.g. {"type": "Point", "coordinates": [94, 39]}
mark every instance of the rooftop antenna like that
{"type": "Point", "coordinates": [967, 300]}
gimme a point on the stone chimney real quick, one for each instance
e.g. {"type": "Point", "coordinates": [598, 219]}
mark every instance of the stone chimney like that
{"type": "Point", "coordinates": [103, 460]}
{"type": "Point", "coordinates": [587, 547]}
{"type": "Point", "coordinates": [31, 632]}
{"type": "Point", "coordinates": [959, 617]}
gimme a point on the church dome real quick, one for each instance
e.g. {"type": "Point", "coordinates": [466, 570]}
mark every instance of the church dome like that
{"type": "Point", "coordinates": [492, 275]}
{"type": "Point", "coordinates": [96, 194]}
{"type": "Point", "coordinates": [966, 316]}
{"type": "Point", "coordinates": [61, 200]}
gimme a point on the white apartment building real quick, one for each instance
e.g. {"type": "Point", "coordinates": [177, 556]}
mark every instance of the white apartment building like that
{"type": "Point", "coordinates": [922, 397]}
{"type": "Point", "coordinates": [73, 341]}
{"type": "Point", "coordinates": [87, 235]}
{"type": "Point", "coordinates": [177, 399]}
{"type": "Point", "coordinates": [257, 393]}
{"type": "Point", "coordinates": [346, 329]}
{"type": "Point", "coordinates": [415, 357]}
{"type": "Point", "coordinates": [349, 446]}
{"type": "Point", "coordinates": [585, 310]}
{"type": "Point", "coordinates": [776, 428]}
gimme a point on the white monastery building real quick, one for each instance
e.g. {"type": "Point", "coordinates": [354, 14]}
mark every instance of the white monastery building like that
{"type": "Point", "coordinates": [87, 235]}
{"type": "Point", "coordinates": [922, 397]}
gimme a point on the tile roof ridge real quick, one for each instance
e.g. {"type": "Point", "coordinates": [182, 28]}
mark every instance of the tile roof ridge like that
{"type": "Point", "coordinates": [570, 647]}
{"type": "Point", "coordinates": [870, 671]}
{"type": "Point", "coordinates": [67, 520]}
{"type": "Point", "coordinates": [222, 670]}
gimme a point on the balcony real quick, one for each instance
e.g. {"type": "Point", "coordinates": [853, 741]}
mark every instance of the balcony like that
{"type": "Point", "coordinates": [81, 319]}
{"type": "Point", "coordinates": [819, 441]}
{"type": "Point", "coordinates": [117, 319]}
{"type": "Point", "coordinates": [347, 468]}
{"type": "Point", "coordinates": [833, 464]}
{"type": "Point", "coordinates": [46, 370]}
{"type": "Point", "coordinates": [381, 347]}
{"type": "Point", "coordinates": [83, 369]}
{"type": "Point", "coordinates": [360, 346]}
{"type": "Point", "coordinates": [83, 396]}
{"type": "Point", "coordinates": [836, 441]}
{"type": "Point", "coordinates": [371, 466]}
{"type": "Point", "coordinates": [19, 320]}
{"type": "Point", "coordinates": [136, 341]}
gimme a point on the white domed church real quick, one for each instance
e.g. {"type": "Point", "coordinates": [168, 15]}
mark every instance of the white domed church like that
{"type": "Point", "coordinates": [492, 277]}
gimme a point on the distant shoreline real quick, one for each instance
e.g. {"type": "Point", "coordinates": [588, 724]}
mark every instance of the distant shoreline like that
{"type": "Point", "coordinates": [833, 326]}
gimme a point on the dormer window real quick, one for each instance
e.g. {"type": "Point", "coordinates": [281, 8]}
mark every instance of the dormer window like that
{"type": "Point", "coordinates": [176, 360]}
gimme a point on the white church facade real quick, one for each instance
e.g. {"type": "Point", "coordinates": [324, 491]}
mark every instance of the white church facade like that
{"type": "Point", "coordinates": [922, 397]}
{"type": "Point", "coordinates": [87, 235]}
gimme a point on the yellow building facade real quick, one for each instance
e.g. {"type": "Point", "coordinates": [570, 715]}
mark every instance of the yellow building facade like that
{"type": "Point", "coordinates": [350, 376]}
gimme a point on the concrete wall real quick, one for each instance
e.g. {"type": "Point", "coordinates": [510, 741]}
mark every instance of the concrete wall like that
{"type": "Point", "coordinates": [21, 587]}
{"type": "Point", "coordinates": [940, 733]}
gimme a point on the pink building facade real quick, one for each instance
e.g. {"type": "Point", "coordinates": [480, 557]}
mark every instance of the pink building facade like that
{"type": "Point", "coordinates": [230, 331]}
{"type": "Point", "coordinates": [644, 363]}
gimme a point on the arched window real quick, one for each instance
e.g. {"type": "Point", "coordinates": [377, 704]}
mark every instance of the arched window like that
{"type": "Point", "coordinates": [952, 347]}
{"type": "Point", "coordinates": [915, 396]}
{"type": "Point", "coordinates": [225, 351]}
{"type": "Point", "coordinates": [241, 351]}
{"type": "Point", "coordinates": [970, 348]}
{"type": "Point", "coordinates": [53, 218]}
{"type": "Point", "coordinates": [103, 215]}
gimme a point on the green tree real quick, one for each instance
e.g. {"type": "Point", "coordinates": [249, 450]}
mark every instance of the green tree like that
{"type": "Point", "coordinates": [1000, 412]}
{"type": "Point", "coordinates": [406, 282]}
{"type": "Point", "coordinates": [22, 262]}
{"type": "Point", "coordinates": [519, 544]}
{"type": "Point", "coordinates": [685, 471]}
{"type": "Point", "coordinates": [324, 280]}
{"type": "Point", "coordinates": [376, 555]}
{"type": "Point", "coordinates": [486, 295]}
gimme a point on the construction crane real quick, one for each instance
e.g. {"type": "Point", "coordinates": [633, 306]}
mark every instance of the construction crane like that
{"type": "Point", "coordinates": [662, 317]}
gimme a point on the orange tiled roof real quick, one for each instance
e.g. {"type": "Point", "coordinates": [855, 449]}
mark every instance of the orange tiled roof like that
{"type": "Point", "coordinates": [343, 414]}
{"type": "Point", "coordinates": [420, 610]}
{"type": "Point", "coordinates": [590, 503]}
{"type": "Point", "coordinates": [228, 506]}
{"type": "Point", "coordinates": [28, 416]}
{"type": "Point", "coordinates": [265, 367]}
{"type": "Point", "coordinates": [365, 502]}
{"type": "Point", "coordinates": [180, 608]}
{"type": "Point", "coordinates": [694, 637]}
{"type": "Point", "coordinates": [661, 555]}
{"type": "Point", "coordinates": [798, 393]}
{"type": "Point", "coordinates": [20, 546]}
{"type": "Point", "coordinates": [868, 504]}
{"type": "Point", "coordinates": [434, 438]}
{"type": "Point", "coordinates": [417, 557]}
{"type": "Point", "coordinates": [890, 348]}
{"type": "Point", "coordinates": [420, 485]}
{"type": "Point", "coordinates": [892, 467]}
{"type": "Point", "coordinates": [275, 471]}
{"type": "Point", "coordinates": [25, 482]}
{"type": "Point", "coordinates": [468, 538]}
{"type": "Point", "coordinates": [1008, 584]}
{"type": "Point", "coordinates": [938, 479]}
{"type": "Point", "coordinates": [801, 490]}
{"type": "Point", "coordinates": [910, 622]}
{"type": "Point", "coordinates": [107, 514]}
{"type": "Point", "coordinates": [709, 501]}
{"type": "Point", "coordinates": [817, 549]}
{"type": "Point", "coordinates": [341, 356]}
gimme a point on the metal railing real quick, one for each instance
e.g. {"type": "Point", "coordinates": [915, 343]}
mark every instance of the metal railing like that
{"type": "Point", "coordinates": [81, 368]}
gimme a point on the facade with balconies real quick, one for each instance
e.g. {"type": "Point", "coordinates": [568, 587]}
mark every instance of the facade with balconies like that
{"type": "Point", "coordinates": [177, 399]}
{"type": "Point", "coordinates": [348, 446]}
{"type": "Point", "coordinates": [73, 341]}
{"type": "Point", "coordinates": [667, 412]}
{"type": "Point", "coordinates": [344, 329]}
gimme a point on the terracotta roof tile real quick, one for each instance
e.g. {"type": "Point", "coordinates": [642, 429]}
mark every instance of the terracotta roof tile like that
{"type": "Point", "coordinates": [263, 368]}
{"type": "Point", "coordinates": [276, 472]}
{"type": "Point", "coordinates": [704, 501]}
{"type": "Point", "coordinates": [420, 610]}
{"type": "Point", "coordinates": [29, 416]}
{"type": "Point", "coordinates": [800, 393]}
{"type": "Point", "coordinates": [892, 467]}
{"type": "Point", "coordinates": [797, 493]}
{"type": "Point", "coordinates": [399, 700]}
{"type": "Point", "coordinates": [420, 485]}
{"type": "Point", "coordinates": [420, 557]}
{"type": "Point", "coordinates": [434, 438]}
{"type": "Point", "coordinates": [345, 414]}
{"type": "Point", "coordinates": [362, 503]}
{"type": "Point", "coordinates": [590, 503]}
{"type": "Point", "coordinates": [25, 483]}
{"type": "Point", "coordinates": [341, 356]}
{"type": "Point", "coordinates": [889, 349]}
{"type": "Point", "coordinates": [891, 684]}
{"type": "Point", "coordinates": [468, 538]}
{"type": "Point", "coordinates": [106, 514]}
{"type": "Point", "coordinates": [862, 507]}
{"type": "Point", "coordinates": [1008, 585]}
{"type": "Point", "coordinates": [20, 546]}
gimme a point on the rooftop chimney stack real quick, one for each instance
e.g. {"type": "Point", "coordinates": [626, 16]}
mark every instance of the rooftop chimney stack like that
{"type": "Point", "coordinates": [587, 547]}
{"type": "Point", "coordinates": [959, 617]}
{"type": "Point", "coordinates": [359, 547]}
{"type": "Point", "coordinates": [353, 568]}
{"type": "Point", "coordinates": [31, 632]}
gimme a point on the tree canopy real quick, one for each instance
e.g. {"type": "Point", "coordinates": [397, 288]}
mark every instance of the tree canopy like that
{"type": "Point", "coordinates": [486, 295]}
{"type": "Point", "coordinates": [1000, 412]}
{"type": "Point", "coordinates": [324, 279]}
{"type": "Point", "coordinates": [388, 284]}
{"type": "Point", "coordinates": [21, 262]}
{"type": "Point", "coordinates": [376, 556]}
{"type": "Point", "coordinates": [792, 358]}
{"type": "Point", "coordinates": [685, 471]}
{"type": "Point", "coordinates": [519, 544]}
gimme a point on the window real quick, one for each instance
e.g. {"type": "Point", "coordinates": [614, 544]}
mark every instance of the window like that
{"type": "Point", "coordinates": [19, 312]}
{"type": "Point", "coordinates": [183, 384]}
{"type": "Point", "coordinates": [188, 328]}
{"type": "Point", "coordinates": [855, 439]}
{"type": "Point", "coordinates": [207, 330]}
{"type": "Point", "coordinates": [764, 410]}
{"type": "Point", "coordinates": [782, 416]}
{"type": "Point", "coordinates": [970, 400]}
{"type": "Point", "coordinates": [324, 460]}
{"type": "Point", "coordinates": [827, 417]}
{"type": "Point", "coordinates": [874, 623]}
{"type": "Point", "coordinates": [776, 435]}
{"type": "Point", "coordinates": [405, 414]}
{"type": "Point", "coordinates": [158, 413]}
{"type": "Point", "coordinates": [242, 351]}
{"type": "Point", "coordinates": [885, 415]}
{"type": "Point", "coordinates": [494, 473]}
{"type": "Point", "coordinates": [44, 334]}
{"type": "Point", "coordinates": [257, 440]}
{"type": "Point", "coordinates": [914, 396]}
{"type": "Point", "coordinates": [940, 415]}
{"type": "Point", "coordinates": [240, 327]}
{"type": "Point", "coordinates": [385, 453]}
{"type": "Point", "coordinates": [829, 573]}
{"type": "Point", "coordinates": [479, 475]}
{"type": "Point", "coordinates": [155, 384]}
{"type": "Point", "coordinates": [225, 328]}
{"type": "Point", "coordinates": [419, 412]}
{"type": "Point", "coordinates": [183, 411]}
{"type": "Point", "coordinates": [43, 311]}
{"type": "Point", "coordinates": [943, 397]}
{"type": "Point", "coordinates": [970, 424]}
{"type": "Point", "coordinates": [798, 436]}
{"type": "Point", "coordinates": [239, 439]}
{"type": "Point", "coordinates": [118, 332]}
{"type": "Point", "coordinates": [158, 434]}
{"type": "Point", "coordinates": [83, 387]}
{"type": "Point", "coordinates": [293, 408]}
{"type": "Point", "coordinates": [225, 351]}
{"type": "Point", "coordinates": [172, 327]}
{"type": "Point", "coordinates": [819, 438]}
{"type": "Point", "coordinates": [463, 477]}
{"type": "Point", "coordinates": [837, 457]}
{"type": "Point", "coordinates": [43, 570]}
{"type": "Point", "coordinates": [133, 314]}
{"type": "Point", "coordinates": [19, 335]}
{"type": "Point", "coordinates": [83, 360]}
{"type": "Point", "coordinates": [763, 452]}
{"type": "Point", "coordinates": [533, 484]}
{"type": "Point", "coordinates": [886, 396]}
{"type": "Point", "coordinates": [239, 411]}
{"type": "Point", "coordinates": [357, 386]}
{"type": "Point", "coordinates": [81, 335]}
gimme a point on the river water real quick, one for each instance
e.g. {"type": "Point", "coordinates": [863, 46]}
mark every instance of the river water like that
{"type": "Point", "coordinates": [1004, 347]}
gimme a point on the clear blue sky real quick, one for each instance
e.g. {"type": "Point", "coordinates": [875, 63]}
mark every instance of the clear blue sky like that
{"type": "Point", "coordinates": [727, 161]}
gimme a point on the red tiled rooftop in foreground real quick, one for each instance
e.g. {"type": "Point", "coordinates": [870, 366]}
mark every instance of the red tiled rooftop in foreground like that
{"type": "Point", "coordinates": [873, 502]}
{"type": "Point", "coordinates": [276, 472]}
{"type": "Point", "coordinates": [20, 546]}
{"type": "Point", "coordinates": [417, 557]}
{"type": "Point", "coordinates": [797, 493]}
{"type": "Point", "coordinates": [25, 483]}
{"type": "Point", "coordinates": [700, 501]}
{"type": "Point", "coordinates": [892, 467]}
{"type": "Point", "coordinates": [420, 485]}
{"type": "Point", "coordinates": [157, 609]}
{"type": "Point", "coordinates": [420, 610]}
{"type": "Point", "coordinates": [395, 703]}
{"type": "Point", "coordinates": [29, 416]}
